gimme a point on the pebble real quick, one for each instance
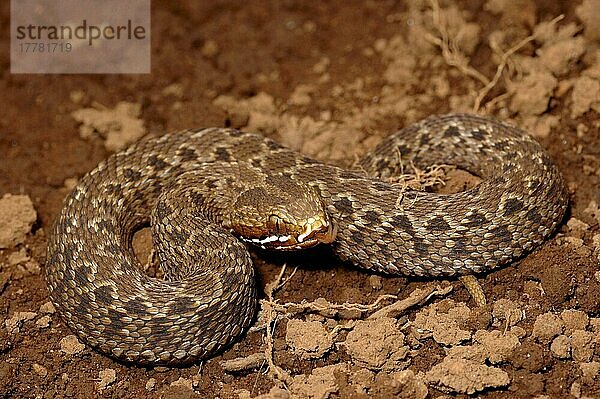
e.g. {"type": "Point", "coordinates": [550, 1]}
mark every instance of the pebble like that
{"type": "Point", "coordinates": [14, 323]}
{"type": "Point", "coordinates": [47, 308]}
{"type": "Point", "coordinates": [39, 370]}
{"type": "Point", "coordinates": [43, 322]}
{"type": "Point", "coordinates": [106, 378]}
{"type": "Point", "coordinates": [151, 384]}
{"type": "Point", "coordinates": [375, 282]}
{"type": "Point", "coordinates": [71, 345]}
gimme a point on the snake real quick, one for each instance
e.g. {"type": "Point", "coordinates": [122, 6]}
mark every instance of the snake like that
{"type": "Point", "coordinates": [210, 194]}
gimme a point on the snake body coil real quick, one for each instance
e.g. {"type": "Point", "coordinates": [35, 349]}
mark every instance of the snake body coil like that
{"type": "Point", "coordinates": [184, 182]}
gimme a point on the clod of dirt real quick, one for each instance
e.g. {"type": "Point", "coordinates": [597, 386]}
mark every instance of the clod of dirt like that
{"type": "Point", "coordinates": [375, 282]}
{"type": "Point", "coordinates": [118, 127]}
{"type": "Point", "coordinates": [71, 345]}
{"type": "Point", "coordinates": [179, 392]}
{"type": "Point", "coordinates": [560, 56]}
{"type": "Point", "coordinates": [22, 264]}
{"type": "Point", "coordinates": [590, 371]}
{"type": "Point", "coordinates": [18, 257]}
{"type": "Point", "coordinates": [546, 327]}
{"type": "Point", "coordinates": [320, 384]}
{"type": "Point", "coordinates": [174, 89]}
{"type": "Point", "coordinates": [400, 384]}
{"type": "Point", "coordinates": [362, 380]}
{"type": "Point", "coordinates": [465, 376]}
{"type": "Point", "coordinates": [492, 346]}
{"type": "Point", "coordinates": [575, 342]}
{"type": "Point", "coordinates": [257, 113]}
{"type": "Point", "coordinates": [586, 91]}
{"type": "Point", "coordinates": [308, 339]}
{"type": "Point", "coordinates": [14, 323]}
{"type": "Point", "coordinates": [444, 327]}
{"type": "Point", "coordinates": [47, 308]}
{"type": "Point", "coordinates": [182, 388]}
{"type": "Point", "coordinates": [593, 211]}
{"type": "Point", "coordinates": [151, 384]}
{"type": "Point", "coordinates": [587, 12]}
{"type": "Point", "coordinates": [377, 344]}
{"type": "Point", "coordinates": [39, 370]}
{"type": "Point", "coordinates": [77, 96]}
{"type": "Point", "coordinates": [210, 49]}
{"type": "Point", "coordinates": [561, 347]}
{"type": "Point", "coordinates": [17, 215]}
{"type": "Point", "coordinates": [43, 322]}
{"type": "Point", "coordinates": [532, 94]}
{"type": "Point", "coordinates": [574, 320]}
{"type": "Point", "coordinates": [577, 228]}
{"type": "Point", "coordinates": [514, 12]}
{"type": "Point", "coordinates": [183, 382]}
{"type": "Point", "coordinates": [506, 312]}
{"type": "Point", "coordinates": [274, 393]}
{"type": "Point", "coordinates": [583, 344]}
{"type": "Point", "coordinates": [106, 378]}
{"type": "Point", "coordinates": [302, 94]}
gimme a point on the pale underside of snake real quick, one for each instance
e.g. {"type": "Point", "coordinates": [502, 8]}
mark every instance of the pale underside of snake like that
{"type": "Point", "coordinates": [203, 190]}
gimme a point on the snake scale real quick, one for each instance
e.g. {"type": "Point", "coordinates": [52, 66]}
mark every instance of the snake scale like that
{"type": "Point", "coordinates": [202, 190]}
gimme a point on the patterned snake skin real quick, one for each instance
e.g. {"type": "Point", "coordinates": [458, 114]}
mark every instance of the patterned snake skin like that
{"type": "Point", "coordinates": [198, 186]}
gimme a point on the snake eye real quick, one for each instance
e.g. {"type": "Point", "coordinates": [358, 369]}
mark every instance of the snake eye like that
{"type": "Point", "coordinates": [275, 224]}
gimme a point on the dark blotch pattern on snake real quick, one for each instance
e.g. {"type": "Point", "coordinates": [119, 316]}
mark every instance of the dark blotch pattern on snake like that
{"type": "Point", "coordinates": [198, 186]}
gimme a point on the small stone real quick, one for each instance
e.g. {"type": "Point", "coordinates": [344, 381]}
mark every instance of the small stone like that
{"type": "Point", "coordinates": [19, 257]}
{"type": "Point", "coordinates": [39, 370]}
{"type": "Point", "coordinates": [151, 384]}
{"type": "Point", "coordinates": [182, 382]}
{"type": "Point", "coordinates": [561, 347]}
{"type": "Point", "coordinates": [14, 323]}
{"type": "Point", "coordinates": [210, 49]}
{"type": "Point", "coordinates": [577, 227]}
{"type": "Point", "coordinates": [70, 183]}
{"type": "Point", "coordinates": [71, 345]}
{"type": "Point", "coordinates": [43, 322]}
{"type": "Point", "coordinates": [106, 378]}
{"type": "Point", "coordinates": [175, 90]}
{"type": "Point", "coordinates": [17, 215]}
{"type": "Point", "coordinates": [575, 390]}
{"type": "Point", "coordinates": [375, 282]}
{"type": "Point", "coordinates": [76, 96]}
{"type": "Point", "coordinates": [47, 308]}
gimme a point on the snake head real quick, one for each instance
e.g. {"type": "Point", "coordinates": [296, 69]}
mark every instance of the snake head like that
{"type": "Point", "coordinates": [283, 215]}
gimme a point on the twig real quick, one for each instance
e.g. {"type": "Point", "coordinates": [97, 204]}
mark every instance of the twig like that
{"type": "Point", "coordinates": [450, 51]}
{"type": "Point", "coordinates": [418, 296]}
{"type": "Point", "coordinates": [256, 360]}
{"type": "Point", "coordinates": [504, 60]}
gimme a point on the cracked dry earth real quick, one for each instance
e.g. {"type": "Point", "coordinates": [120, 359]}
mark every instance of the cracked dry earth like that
{"type": "Point", "coordinates": [330, 79]}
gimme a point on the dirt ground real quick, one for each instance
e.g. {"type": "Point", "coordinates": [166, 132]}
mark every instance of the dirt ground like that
{"type": "Point", "coordinates": [329, 79]}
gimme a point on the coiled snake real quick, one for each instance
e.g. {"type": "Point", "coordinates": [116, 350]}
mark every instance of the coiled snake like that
{"type": "Point", "coordinates": [197, 187]}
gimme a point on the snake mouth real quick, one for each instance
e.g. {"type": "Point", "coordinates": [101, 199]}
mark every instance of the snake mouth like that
{"type": "Point", "coordinates": [314, 231]}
